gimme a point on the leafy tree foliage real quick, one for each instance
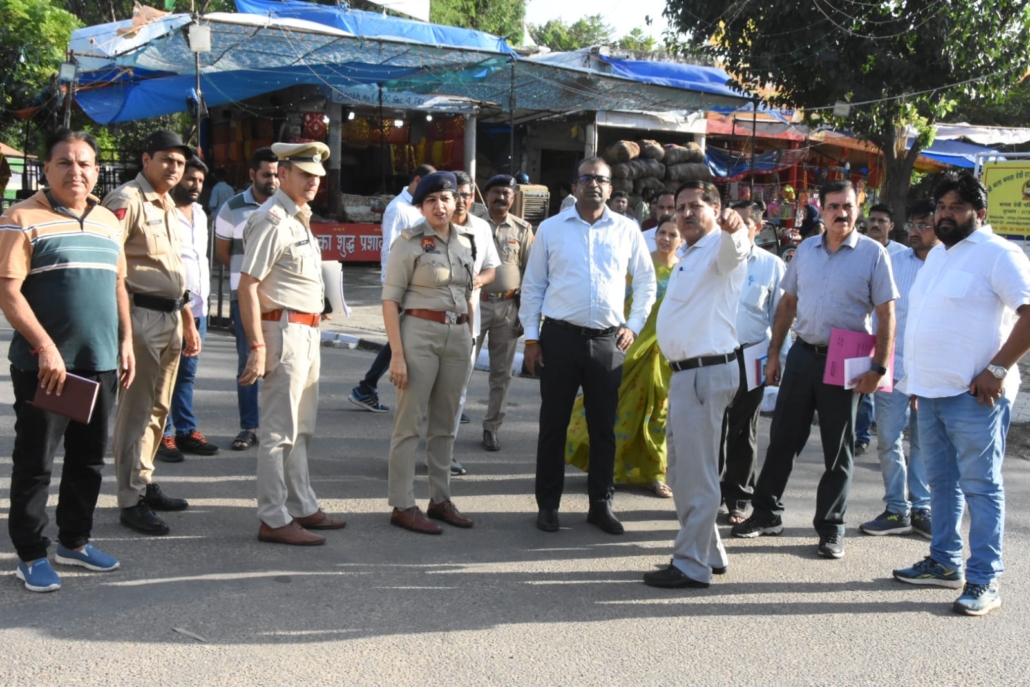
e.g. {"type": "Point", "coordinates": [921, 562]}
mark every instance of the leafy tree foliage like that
{"type": "Point", "coordinates": [903, 55]}
{"type": "Point", "coordinates": [499, 17]}
{"type": "Point", "coordinates": [637, 40]}
{"type": "Point", "coordinates": [584, 33]}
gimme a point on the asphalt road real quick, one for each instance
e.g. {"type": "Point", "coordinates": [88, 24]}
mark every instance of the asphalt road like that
{"type": "Point", "coordinates": [500, 604]}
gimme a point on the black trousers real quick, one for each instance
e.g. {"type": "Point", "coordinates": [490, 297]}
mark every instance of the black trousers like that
{"type": "Point", "coordinates": [739, 456]}
{"type": "Point", "coordinates": [573, 360]}
{"type": "Point", "coordinates": [380, 365]}
{"type": "Point", "coordinates": [802, 392]}
{"type": "Point", "coordinates": [38, 435]}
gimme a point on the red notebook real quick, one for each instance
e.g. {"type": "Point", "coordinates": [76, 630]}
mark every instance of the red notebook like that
{"type": "Point", "coordinates": [77, 399]}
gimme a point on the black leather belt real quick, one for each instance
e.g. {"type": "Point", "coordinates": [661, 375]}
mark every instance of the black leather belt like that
{"type": "Point", "coordinates": [585, 331]}
{"type": "Point", "coordinates": [703, 361]}
{"type": "Point", "coordinates": [818, 350]}
{"type": "Point", "coordinates": [159, 303]}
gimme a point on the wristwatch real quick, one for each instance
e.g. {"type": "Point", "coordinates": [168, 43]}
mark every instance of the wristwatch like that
{"type": "Point", "coordinates": [878, 369]}
{"type": "Point", "coordinates": [998, 371]}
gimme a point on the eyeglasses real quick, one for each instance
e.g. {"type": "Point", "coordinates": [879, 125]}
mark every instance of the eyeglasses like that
{"type": "Point", "coordinates": [919, 226]}
{"type": "Point", "coordinates": [587, 179]}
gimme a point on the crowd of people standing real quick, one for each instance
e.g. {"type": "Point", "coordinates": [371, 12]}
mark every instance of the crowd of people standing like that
{"type": "Point", "coordinates": [639, 349]}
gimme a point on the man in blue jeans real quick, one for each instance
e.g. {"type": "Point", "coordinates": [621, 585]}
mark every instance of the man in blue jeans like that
{"type": "Point", "coordinates": [229, 225]}
{"type": "Point", "coordinates": [963, 324]}
{"type": "Point", "coordinates": [906, 492]}
{"type": "Point", "coordinates": [193, 236]}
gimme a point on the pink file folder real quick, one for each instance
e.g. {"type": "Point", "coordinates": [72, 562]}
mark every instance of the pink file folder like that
{"type": "Point", "coordinates": [846, 344]}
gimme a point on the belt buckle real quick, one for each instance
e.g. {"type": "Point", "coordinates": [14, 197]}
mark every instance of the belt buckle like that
{"type": "Point", "coordinates": [450, 317]}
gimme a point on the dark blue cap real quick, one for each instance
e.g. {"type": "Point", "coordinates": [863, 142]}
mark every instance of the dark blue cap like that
{"type": "Point", "coordinates": [431, 183]}
{"type": "Point", "coordinates": [502, 180]}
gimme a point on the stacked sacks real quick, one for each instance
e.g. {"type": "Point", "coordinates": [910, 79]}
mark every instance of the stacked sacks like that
{"type": "Point", "coordinates": [641, 165]}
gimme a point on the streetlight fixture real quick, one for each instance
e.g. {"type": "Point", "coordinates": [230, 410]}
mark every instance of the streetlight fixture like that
{"type": "Point", "coordinates": [66, 74]}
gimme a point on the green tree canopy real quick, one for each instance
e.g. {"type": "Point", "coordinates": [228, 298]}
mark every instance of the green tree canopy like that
{"type": "Point", "coordinates": [499, 17]}
{"type": "Point", "coordinates": [897, 61]}
{"type": "Point", "coordinates": [584, 33]}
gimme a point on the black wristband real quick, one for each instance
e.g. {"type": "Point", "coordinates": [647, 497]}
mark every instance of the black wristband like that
{"type": "Point", "coordinates": [878, 369]}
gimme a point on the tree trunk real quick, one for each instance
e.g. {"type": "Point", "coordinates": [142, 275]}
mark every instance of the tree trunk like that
{"type": "Point", "coordinates": [898, 166]}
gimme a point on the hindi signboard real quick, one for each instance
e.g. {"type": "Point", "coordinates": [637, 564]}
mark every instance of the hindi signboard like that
{"type": "Point", "coordinates": [1008, 197]}
{"type": "Point", "coordinates": [349, 242]}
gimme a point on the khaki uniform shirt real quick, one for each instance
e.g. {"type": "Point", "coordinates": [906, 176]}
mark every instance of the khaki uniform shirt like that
{"type": "Point", "coordinates": [425, 271]}
{"type": "Point", "coordinates": [513, 237]}
{"type": "Point", "coordinates": [150, 233]}
{"type": "Point", "coordinates": [280, 251]}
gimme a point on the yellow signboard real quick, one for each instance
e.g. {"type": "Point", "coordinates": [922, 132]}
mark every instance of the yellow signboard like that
{"type": "Point", "coordinates": [1008, 197]}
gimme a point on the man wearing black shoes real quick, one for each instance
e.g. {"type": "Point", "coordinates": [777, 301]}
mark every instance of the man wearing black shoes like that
{"type": "Point", "coordinates": [163, 326]}
{"type": "Point", "coordinates": [835, 280]}
{"type": "Point", "coordinates": [697, 333]}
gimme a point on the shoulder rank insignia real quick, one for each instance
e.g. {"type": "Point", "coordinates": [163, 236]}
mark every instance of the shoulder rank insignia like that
{"type": "Point", "coordinates": [405, 235]}
{"type": "Point", "coordinates": [276, 213]}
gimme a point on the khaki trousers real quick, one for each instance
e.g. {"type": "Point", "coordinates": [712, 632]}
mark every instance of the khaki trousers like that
{"type": "Point", "coordinates": [288, 410]}
{"type": "Point", "coordinates": [143, 407]}
{"type": "Point", "coordinates": [438, 362]}
{"type": "Point", "coordinates": [498, 320]}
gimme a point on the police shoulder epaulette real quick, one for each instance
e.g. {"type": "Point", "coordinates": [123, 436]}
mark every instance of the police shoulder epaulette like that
{"type": "Point", "coordinates": [276, 213]}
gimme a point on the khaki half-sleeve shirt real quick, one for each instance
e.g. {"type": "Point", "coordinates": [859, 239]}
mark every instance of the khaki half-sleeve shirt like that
{"type": "Point", "coordinates": [153, 251]}
{"type": "Point", "coordinates": [426, 271]}
{"type": "Point", "coordinates": [280, 251]}
{"type": "Point", "coordinates": [513, 238]}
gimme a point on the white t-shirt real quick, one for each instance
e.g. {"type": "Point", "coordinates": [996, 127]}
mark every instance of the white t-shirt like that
{"type": "Point", "coordinates": [486, 257]}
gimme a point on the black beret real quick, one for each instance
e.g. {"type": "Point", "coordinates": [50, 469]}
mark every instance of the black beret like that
{"type": "Point", "coordinates": [431, 183]}
{"type": "Point", "coordinates": [503, 180]}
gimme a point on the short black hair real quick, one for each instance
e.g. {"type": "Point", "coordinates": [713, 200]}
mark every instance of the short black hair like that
{"type": "Point", "coordinates": [63, 135]}
{"type": "Point", "coordinates": [666, 192]}
{"type": "Point", "coordinates": [885, 209]}
{"type": "Point", "coordinates": [196, 163]}
{"type": "Point", "coordinates": [422, 171]}
{"type": "Point", "coordinates": [968, 188]}
{"type": "Point", "coordinates": [834, 187]}
{"type": "Point", "coordinates": [463, 178]}
{"type": "Point", "coordinates": [666, 218]}
{"type": "Point", "coordinates": [259, 156]}
{"type": "Point", "coordinates": [741, 204]}
{"type": "Point", "coordinates": [709, 193]}
{"type": "Point", "coordinates": [595, 160]}
{"type": "Point", "coordinates": [922, 208]}
{"type": "Point", "coordinates": [565, 186]}
{"type": "Point", "coordinates": [619, 194]}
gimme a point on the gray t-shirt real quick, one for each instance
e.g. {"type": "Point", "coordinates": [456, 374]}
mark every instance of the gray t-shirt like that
{"type": "Point", "coordinates": [838, 290]}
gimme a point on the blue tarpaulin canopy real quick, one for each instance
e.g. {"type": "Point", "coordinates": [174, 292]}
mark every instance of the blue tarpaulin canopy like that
{"type": "Point", "coordinates": [955, 153]}
{"type": "Point", "coordinates": [726, 166]}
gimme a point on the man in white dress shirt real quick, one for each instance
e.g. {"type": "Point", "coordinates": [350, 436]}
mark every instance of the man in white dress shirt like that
{"type": "Point", "coordinates": [576, 279]}
{"type": "Point", "coordinates": [484, 268]}
{"type": "Point", "coordinates": [193, 234]}
{"type": "Point", "coordinates": [697, 333]}
{"type": "Point", "coordinates": [759, 298]}
{"type": "Point", "coordinates": [399, 215]}
{"type": "Point", "coordinates": [963, 340]}
{"type": "Point", "coordinates": [906, 491]}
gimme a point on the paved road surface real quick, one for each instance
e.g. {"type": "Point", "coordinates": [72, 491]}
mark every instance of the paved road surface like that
{"type": "Point", "coordinates": [502, 604]}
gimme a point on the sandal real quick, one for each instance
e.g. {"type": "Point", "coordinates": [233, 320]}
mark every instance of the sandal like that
{"type": "Point", "coordinates": [662, 490]}
{"type": "Point", "coordinates": [244, 440]}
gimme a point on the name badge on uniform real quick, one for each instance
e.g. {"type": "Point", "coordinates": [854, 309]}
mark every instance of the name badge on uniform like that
{"type": "Point", "coordinates": [154, 221]}
{"type": "Point", "coordinates": [303, 243]}
{"type": "Point", "coordinates": [429, 245]}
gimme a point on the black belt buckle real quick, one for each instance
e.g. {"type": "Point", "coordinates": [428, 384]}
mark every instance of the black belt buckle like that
{"type": "Point", "coordinates": [815, 348]}
{"type": "Point", "coordinates": [158, 303]}
{"type": "Point", "coordinates": [584, 331]}
{"type": "Point", "coordinates": [703, 361]}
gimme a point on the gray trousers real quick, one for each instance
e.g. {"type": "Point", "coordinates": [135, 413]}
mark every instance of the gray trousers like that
{"type": "Point", "coordinates": [698, 400]}
{"type": "Point", "coordinates": [498, 320]}
{"type": "Point", "coordinates": [288, 410]}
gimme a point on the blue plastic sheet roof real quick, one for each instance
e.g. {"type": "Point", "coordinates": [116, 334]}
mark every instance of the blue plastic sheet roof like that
{"type": "Point", "coordinates": [375, 25]}
{"type": "Point", "coordinates": [689, 76]}
{"type": "Point", "coordinates": [955, 153]}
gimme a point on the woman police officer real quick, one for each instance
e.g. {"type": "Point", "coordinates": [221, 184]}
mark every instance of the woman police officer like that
{"type": "Point", "coordinates": [429, 280]}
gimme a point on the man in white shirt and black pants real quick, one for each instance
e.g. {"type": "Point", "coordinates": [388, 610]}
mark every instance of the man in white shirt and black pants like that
{"type": "Point", "coordinates": [759, 298]}
{"type": "Point", "coordinates": [576, 279]}
{"type": "Point", "coordinates": [697, 333]}
{"type": "Point", "coordinates": [962, 342]}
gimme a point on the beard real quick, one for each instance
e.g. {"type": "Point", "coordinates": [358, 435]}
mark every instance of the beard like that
{"type": "Point", "coordinates": [950, 232]}
{"type": "Point", "coordinates": [183, 197]}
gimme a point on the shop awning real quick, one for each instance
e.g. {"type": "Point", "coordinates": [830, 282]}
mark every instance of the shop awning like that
{"type": "Point", "coordinates": [956, 153]}
{"type": "Point", "coordinates": [728, 167]}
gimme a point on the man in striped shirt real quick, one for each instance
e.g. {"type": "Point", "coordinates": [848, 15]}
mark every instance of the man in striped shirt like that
{"type": "Point", "coordinates": [229, 248]}
{"type": "Point", "coordinates": [62, 288]}
{"type": "Point", "coordinates": [906, 485]}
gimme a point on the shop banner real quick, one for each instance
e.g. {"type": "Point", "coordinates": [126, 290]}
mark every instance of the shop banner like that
{"type": "Point", "coordinates": [349, 242]}
{"type": "Point", "coordinates": [1008, 197]}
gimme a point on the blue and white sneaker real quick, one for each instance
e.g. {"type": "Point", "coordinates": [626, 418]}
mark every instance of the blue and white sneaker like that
{"type": "Point", "coordinates": [90, 558]}
{"type": "Point", "coordinates": [930, 572]}
{"type": "Point", "coordinates": [367, 401]}
{"type": "Point", "coordinates": [978, 599]}
{"type": "Point", "coordinates": [38, 576]}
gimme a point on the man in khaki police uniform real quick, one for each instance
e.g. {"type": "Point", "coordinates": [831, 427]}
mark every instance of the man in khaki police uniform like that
{"type": "Point", "coordinates": [281, 299]}
{"type": "Point", "coordinates": [162, 326]}
{"type": "Point", "coordinates": [499, 306]}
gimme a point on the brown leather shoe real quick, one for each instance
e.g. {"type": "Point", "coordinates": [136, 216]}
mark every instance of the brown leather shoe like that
{"type": "Point", "coordinates": [292, 534]}
{"type": "Point", "coordinates": [490, 441]}
{"type": "Point", "coordinates": [447, 512]}
{"type": "Point", "coordinates": [320, 521]}
{"type": "Point", "coordinates": [412, 519]}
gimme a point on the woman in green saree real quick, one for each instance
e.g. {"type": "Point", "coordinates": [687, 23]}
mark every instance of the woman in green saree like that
{"type": "Point", "coordinates": [640, 454]}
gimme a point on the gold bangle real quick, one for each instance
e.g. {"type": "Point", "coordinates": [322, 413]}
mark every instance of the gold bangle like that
{"type": "Point", "coordinates": [530, 342]}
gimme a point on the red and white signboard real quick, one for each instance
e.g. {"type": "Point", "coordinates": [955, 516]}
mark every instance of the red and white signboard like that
{"type": "Point", "coordinates": [349, 242]}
